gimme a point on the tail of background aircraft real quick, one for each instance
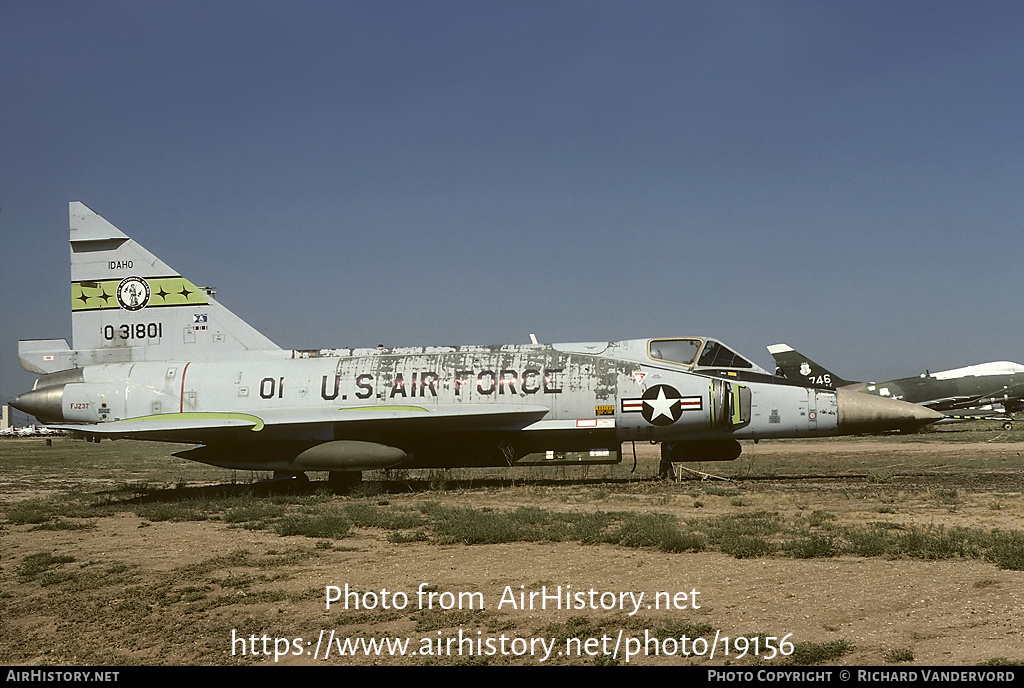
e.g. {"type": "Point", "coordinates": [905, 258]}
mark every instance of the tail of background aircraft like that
{"type": "Point", "coordinates": [128, 305]}
{"type": "Point", "coordinates": [793, 365]}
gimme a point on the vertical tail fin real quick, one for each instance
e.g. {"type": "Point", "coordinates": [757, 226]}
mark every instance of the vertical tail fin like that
{"type": "Point", "coordinates": [128, 305]}
{"type": "Point", "coordinates": [793, 365]}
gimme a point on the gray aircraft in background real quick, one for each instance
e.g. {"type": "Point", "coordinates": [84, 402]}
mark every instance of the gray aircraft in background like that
{"type": "Point", "coordinates": [155, 357]}
{"type": "Point", "coordinates": [981, 386]}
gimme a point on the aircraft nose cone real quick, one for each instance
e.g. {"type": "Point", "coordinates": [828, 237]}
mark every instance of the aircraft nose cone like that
{"type": "Point", "coordinates": [45, 404]}
{"type": "Point", "coordinates": [865, 413]}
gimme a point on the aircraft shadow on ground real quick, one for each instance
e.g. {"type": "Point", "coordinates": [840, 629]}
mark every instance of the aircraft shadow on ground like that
{"type": "Point", "coordinates": [298, 488]}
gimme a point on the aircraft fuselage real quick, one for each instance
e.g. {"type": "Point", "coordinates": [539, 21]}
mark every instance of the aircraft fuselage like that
{"type": "Point", "coordinates": [500, 402]}
{"type": "Point", "coordinates": [1000, 382]}
{"type": "Point", "coordinates": [156, 357]}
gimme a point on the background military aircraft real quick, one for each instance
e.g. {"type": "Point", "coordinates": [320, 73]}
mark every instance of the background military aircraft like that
{"type": "Point", "coordinates": [155, 357]}
{"type": "Point", "coordinates": [998, 383]}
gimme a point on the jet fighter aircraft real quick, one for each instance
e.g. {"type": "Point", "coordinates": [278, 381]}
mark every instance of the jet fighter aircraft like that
{"type": "Point", "coordinates": [155, 357]}
{"type": "Point", "coordinates": [972, 387]}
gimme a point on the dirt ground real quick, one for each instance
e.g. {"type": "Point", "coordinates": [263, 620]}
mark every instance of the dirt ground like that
{"type": "Point", "coordinates": [119, 588]}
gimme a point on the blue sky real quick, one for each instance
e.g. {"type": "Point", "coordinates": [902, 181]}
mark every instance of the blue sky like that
{"type": "Point", "coordinates": [844, 177]}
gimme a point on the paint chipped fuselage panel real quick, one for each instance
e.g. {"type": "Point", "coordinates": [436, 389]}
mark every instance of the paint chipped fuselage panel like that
{"type": "Point", "coordinates": [434, 402]}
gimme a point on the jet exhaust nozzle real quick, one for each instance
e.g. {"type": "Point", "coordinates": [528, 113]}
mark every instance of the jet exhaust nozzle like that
{"type": "Point", "coordinates": [46, 400]}
{"type": "Point", "coordinates": [45, 404]}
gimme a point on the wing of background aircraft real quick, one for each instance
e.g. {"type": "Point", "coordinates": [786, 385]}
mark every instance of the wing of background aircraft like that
{"type": "Point", "coordinates": [1009, 397]}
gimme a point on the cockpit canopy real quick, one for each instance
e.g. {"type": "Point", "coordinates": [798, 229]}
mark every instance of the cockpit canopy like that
{"type": "Point", "coordinates": [699, 352]}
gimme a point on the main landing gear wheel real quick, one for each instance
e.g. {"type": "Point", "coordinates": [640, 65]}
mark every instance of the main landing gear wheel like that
{"type": "Point", "coordinates": [1007, 425]}
{"type": "Point", "coordinates": [342, 482]}
{"type": "Point", "coordinates": [285, 475]}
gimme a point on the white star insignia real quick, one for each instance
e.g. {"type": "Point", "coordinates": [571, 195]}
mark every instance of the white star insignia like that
{"type": "Point", "coordinates": [662, 406]}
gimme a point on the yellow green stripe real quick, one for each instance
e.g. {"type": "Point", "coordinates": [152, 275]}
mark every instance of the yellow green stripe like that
{"type": "Point", "coordinates": [163, 291]}
{"type": "Point", "coordinates": [200, 416]}
{"type": "Point", "coordinates": [383, 408]}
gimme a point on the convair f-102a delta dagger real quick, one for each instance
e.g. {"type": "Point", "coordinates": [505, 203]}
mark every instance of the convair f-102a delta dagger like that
{"type": "Point", "coordinates": [155, 357]}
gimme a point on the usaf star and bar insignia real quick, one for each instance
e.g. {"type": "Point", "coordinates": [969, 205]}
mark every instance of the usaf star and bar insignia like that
{"type": "Point", "coordinates": [662, 405]}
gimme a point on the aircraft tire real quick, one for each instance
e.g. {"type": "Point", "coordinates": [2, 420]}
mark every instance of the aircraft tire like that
{"type": "Point", "coordinates": [286, 475]}
{"type": "Point", "coordinates": [1007, 425]}
{"type": "Point", "coordinates": [666, 471]}
{"type": "Point", "coordinates": [343, 482]}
